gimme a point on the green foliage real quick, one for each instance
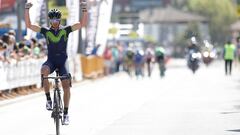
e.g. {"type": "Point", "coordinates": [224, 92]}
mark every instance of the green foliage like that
{"type": "Point", "coordinates": [221, 14]}
{"type": "Point", "coordinates": [180, 44]}
{"type": "Point", "coordinates": [183, 39]}
{"type": "Point", "coordinates": [192, 30]}
{"type": "Point", "coordinates": [149, 39]}
{"type": "Point", "coordinates": [180, 4]}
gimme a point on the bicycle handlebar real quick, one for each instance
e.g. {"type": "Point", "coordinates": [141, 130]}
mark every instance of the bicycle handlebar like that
{"type": "Point", "coordinates": [57, 77]}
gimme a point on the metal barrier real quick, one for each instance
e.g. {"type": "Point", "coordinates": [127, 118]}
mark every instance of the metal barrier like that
{"type": "Point", "coordinates": [19, 74]}
{"type": "Point", "coordinates": [27, 72]}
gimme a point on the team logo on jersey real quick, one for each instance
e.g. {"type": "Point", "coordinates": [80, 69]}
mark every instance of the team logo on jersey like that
{"type": "Point", "coordinates": [55, 39]}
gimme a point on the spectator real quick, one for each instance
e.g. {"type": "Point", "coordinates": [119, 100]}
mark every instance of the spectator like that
{"type": "Point", "coordinates": [27, 48]}
{"type": "Point", "coordinates": [12, 35]}
{"type": "Point", "coordinates": [107, 55]}
{"type": "Point", "coordinates": [115, 56]}
{"type": "Point", "coordinates": [95, 50]}
{"type": "Point", "coordinates": [12, 52]}
{"type": "Point", "coordinates": [3, 48]}
{"type": "Point", "coordinates": [24, 50]}
{"type": "Point", "coordinates": [37, 50]}
{"type": "Point", "coordinates": [139, 62]}
{"type": "Point", "coordinates": [5, 38]}
{"type": "Point", "coordinates": [12, 32]}
{"type": "Point", "coordinates": [7, 42]}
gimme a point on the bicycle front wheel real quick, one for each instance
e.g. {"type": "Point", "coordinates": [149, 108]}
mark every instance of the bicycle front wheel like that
{"type": "Point", "coordinates": [57, 113]}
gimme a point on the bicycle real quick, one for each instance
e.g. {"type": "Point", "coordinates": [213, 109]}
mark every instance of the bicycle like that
{"type": "Point", "coordinates": [57, 110]}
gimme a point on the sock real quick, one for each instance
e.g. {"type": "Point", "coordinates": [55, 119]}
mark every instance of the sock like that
{"type": "Point", "coordinates": [48, 96]}
{"type": "Point", "coordinates": [65, 111]}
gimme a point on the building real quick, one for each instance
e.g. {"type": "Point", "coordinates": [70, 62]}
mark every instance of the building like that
{"type": "Point", "coordinates": [126, 11]}
{"type": "Point", "coordinates": [165, 24]}
{"type": "Point", "coordinates": [235, 29]}
{"type": "Point", "coordinates": [125, 14]}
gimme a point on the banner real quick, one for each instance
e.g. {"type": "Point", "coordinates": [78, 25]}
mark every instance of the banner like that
{"type": "Point", "coordinates": [43, 15]}
{"type": "Point", "coordinates": [35, 13]}
{"type": "Point", "coordinates": [104, 20]}
{"type": "Point", "coordinates": [73, 17]}
{"type": "Point", "coordinates": [92, 28]}
{"type": "Point", "coordinates": [99, 20]}
{"type": "Point", "coordinates": [73, 39]}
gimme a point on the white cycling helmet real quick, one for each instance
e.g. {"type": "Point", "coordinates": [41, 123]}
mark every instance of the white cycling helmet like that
{"type": "Point", "coordinates": [193, 40]}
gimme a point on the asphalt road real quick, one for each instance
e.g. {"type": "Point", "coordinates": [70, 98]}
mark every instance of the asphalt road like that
{"type": "Point", "coordinates": [180, 104]}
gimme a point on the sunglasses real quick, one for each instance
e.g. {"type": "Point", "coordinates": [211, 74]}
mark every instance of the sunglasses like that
{"type": "Point", "coordinates": [55, 20]}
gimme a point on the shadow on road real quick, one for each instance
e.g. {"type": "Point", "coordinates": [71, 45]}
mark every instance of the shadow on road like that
{"type": "Point", "coordinates": [229, 112]}
{"type": "Point", "coordinates": [234, 130]}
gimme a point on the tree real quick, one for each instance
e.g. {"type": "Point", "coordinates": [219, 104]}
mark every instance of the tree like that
{"type": "Point", "coordinates": [192, 30]}
{"type": "Point", "coordinates": [61, 2]}
{"type": "Point", "coordinates": [221, 14]}
{"type": "Point", "coordinates": [180, 4]}
{"type": "Point", "coordinates": [183, 39]}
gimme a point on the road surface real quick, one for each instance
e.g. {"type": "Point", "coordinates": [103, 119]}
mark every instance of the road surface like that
{"type": "Point", "coordinates": [207, 103]}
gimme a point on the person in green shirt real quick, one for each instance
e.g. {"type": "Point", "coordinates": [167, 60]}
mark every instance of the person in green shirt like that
{"type": "Point", "coordinates": [160, 60]}
{"type": "Point", "coordinates": [36, 51]}
{"type": "Point", "coordinates": [229, 54]}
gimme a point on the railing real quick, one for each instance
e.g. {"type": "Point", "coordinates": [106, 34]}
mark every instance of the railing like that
{"type": "Point", "coordinates": [20, 73]}
{"type": "Point", "coordinates": [27, 72]}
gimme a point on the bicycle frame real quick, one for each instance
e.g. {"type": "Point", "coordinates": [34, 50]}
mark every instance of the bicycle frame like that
{"type": "Point", "coordinates": [57, 104]}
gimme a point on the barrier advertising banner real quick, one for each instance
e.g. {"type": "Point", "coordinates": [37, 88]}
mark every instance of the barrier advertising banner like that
{"type": "Point", "coordinates": [104, 19]}
{"type": "Point", "coordinates": [99, 20]}
{"type": "Point", "coordinates": [73, 17]}
{"type": "Point", "coordinates": [35, 12]}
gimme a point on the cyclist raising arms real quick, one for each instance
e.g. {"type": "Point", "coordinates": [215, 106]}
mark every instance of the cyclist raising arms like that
{"type": "Point", "coordinates": [57, 36]}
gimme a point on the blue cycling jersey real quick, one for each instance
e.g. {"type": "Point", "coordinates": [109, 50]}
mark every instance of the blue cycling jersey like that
{"type": "Point", "coordinates": [57, 43]}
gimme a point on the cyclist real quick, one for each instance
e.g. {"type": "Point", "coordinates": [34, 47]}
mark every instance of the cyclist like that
{"type": "Point", "coordinates": [160, 60]}
{"type": "Point", "coordinates": [57, 36]}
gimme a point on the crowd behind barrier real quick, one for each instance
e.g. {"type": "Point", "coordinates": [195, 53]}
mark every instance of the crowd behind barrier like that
{"type": "Point", "coordinates": [27, 72]}
{"type": "Point", "coordinates": [20, 62]}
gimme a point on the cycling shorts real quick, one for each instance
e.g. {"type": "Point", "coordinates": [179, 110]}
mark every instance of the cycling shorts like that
{"type": "Point", "coordinates": [62, 68]}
